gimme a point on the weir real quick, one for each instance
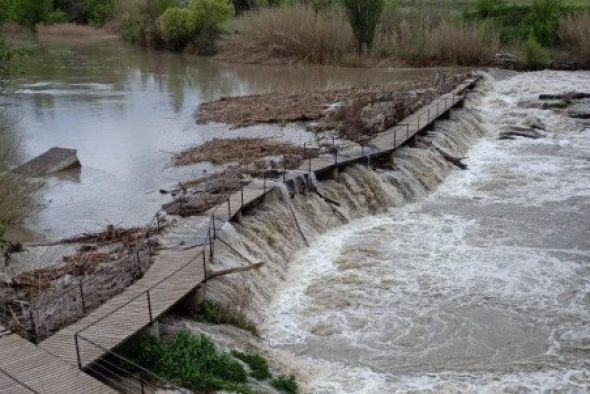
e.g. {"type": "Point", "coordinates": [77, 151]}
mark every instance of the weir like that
{"type": "Point", "coordinates": [178, 274]}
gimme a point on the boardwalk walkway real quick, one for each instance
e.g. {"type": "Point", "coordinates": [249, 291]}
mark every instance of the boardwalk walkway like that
{"type": "Point", "coordinates": [179, 269]}
{"type": "Point", "coordinates": [26, 368]}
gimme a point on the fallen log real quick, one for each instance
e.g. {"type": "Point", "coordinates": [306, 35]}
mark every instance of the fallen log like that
{"type": "Point", "coordinates": [579, 114]}
{"type": "Point", "coordinates": [216, 274]}
{"type": "Point", "coordinates": [530, 133]}
{"type": "Point", "coordinates": [565, 96]}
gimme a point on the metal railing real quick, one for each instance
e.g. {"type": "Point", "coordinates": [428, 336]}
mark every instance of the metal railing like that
{"type": "Point", "coordinates": [18, 382]}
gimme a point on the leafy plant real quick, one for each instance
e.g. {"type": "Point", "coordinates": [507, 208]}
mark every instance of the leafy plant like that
{"type": "Point", "coordinates": [212, 312]}
{"type": "Point", "coordinates": [30, 12]}
{"type": "Point", "coordinates": [544, 20]}
{"type": "Point", "coordinates": [55, 17]}
{"type": "Point", "coordinates": [534, 54]}
{"type": "Point", "coordinates": [177, 26]}
{"type": "Point", "coordinates": [286, 384]}
{"type": "Point", "coordinates": [258, 365]}
{"type": "Point", "coordinates": [194, 362]}
{"type": "Point", "coordinates": [363, 16]}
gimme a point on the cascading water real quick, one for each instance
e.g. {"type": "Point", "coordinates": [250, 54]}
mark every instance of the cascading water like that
{"type": "Point", "coordinates": [480, 285]}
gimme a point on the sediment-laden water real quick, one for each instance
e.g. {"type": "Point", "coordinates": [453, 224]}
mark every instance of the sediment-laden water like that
{"type": "Point", "coordinates": [429, 278]}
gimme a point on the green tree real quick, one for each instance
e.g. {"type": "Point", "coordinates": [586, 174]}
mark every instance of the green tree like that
{"type": "Point", "coordinates": [177, 27]}
{"type": "Point", "coordinates": [544, 19]}
{"type": "Point", "coordinates": [30, 12]}
{"type": "Point", "coordinates": [363, 16]}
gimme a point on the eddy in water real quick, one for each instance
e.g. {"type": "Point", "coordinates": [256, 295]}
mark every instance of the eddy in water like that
{"type": "Point", "coordinates": [432, 279]}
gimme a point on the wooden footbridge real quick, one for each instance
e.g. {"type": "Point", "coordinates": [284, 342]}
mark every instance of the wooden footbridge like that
{"type": "Point", "coordinates": [57, 364]}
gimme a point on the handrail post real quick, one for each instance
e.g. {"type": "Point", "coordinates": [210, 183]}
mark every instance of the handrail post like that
{"type": "Point", "coordinates": [78, 351]}
{"type": "Point", "coordinates": [428, 114]}
{"type": "Point", "coordinates": [242, 195]}
{"type": "Point", "coordinates": [284, 169]}
{"type": "Point", "coordinates": [205, 263]}
{"type": "Point", "coordinates": [228, 207]}
{"type": "Point", "coordinates": [407, 130]}
{"type": "Point", "coordinates": [149, 300]}
{"type": "Point", "coordinates": [309, 164]}
{"type": "Point", "coordinates": [394, 138]}
{"type": "Point", "coordinates": [264, 181]}
{"type": "Point", "coordinates": [214, 228]}
{"type": "Point", "coordinates": [336, 156]}
{"type": "Point", "coordinates": [82, 298]}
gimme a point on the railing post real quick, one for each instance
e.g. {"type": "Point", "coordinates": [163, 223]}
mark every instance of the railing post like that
{"type": "Point", "coordinates": [214, 227]}
{"type": "Point", "coordinates": [336, 156]}
{"type": "Point", "coordinates": [437, 108]}
{"type": "Point", "coordinates": [82, 298]}
{"type": "Point", "coordinates": [157, 222]}
{"type": "Point", "coordinates": [149, 300]}
{"type": "Point", "coordinates": [394, 138]}
{"type": "Point", "coordinates": [309, 164]}
{"type": "Point", "coordinates": [417, 131]}
{"type": "Point", "coordinates": [242, 195]}
{"type": "Point", "coordinates": [284, 170]}
{"type": "Point", "coordinates": [78, 351]}
{"type": "Point", "coordinates": [228, 208]}
{"type": "Point", "coordinates": [408, 130]}
{"type": "Point", "coordinates": [33, 325]}
{"type": "Point", "coordinates": [363, 148]}
{"type": "Point", "coordinates": [264, 181]}
{"type": "Point", "coordinates": [428, 114]}
{"type": "Point", "coordinates": [205, 263]}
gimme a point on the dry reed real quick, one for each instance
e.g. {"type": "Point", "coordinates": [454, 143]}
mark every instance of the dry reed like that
{"type": "Point", "coordinates": [71, 30]}
{"type": "Point", "coordinates": [289, 34]}
{"type": "Point", "coordinates": [574, 34]}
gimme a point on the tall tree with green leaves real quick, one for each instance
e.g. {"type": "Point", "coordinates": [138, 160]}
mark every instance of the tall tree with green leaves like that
{"type": "Point", "coordinates": [363, 16]}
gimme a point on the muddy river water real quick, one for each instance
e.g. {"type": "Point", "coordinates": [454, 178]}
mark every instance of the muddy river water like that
{"type": "Point", "coordinates": [127, 111]}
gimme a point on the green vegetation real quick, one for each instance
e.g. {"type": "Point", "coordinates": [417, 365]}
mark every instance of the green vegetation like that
{"type": "Point", "coordinates": [211, 312]}
{"type": "Point", "coordinates": [286, 384]}
{"type": "Point", "coordinates": [193, 361]}
{"type": "Point", "coordinates": [258, 365]}
{"type": "Point", "coordinates": [363, 16]}
{"type": "Point", "coordinates": [30, 12]}
{"type": "Point", "coordinates": [533, 52]}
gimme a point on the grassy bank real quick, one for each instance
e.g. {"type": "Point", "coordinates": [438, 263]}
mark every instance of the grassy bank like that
{"type": "Point", "coordinates": [194, 362]}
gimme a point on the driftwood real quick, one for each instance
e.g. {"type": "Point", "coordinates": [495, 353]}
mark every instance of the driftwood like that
{"type": "Point", "coordinates": [527, 133]}
{"type": "Point", "coordinates": [456, 161]}
{"type": "Point", "coordinates": [216, 274]}
{"type": "Point", "coordinates": [579, 114]}
{"type": "Point", "coordinates": [565, 96]}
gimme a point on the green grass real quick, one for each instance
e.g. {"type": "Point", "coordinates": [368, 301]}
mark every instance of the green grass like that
{"type": "Point", "coordinates": [193, 361]}
{"type": "Point", "coordinates": [258, 365]}
{"type": "Point", "coordinates": [286, 384]}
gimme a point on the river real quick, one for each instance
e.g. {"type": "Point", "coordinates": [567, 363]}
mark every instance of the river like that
{"type": "Point", "coordinates": [442, 280]}
{"type": "Point", "coordinates": [127, 111]}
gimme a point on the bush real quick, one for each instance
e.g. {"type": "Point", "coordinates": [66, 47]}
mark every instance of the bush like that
{"type": "Point", "coordinates": [544, 20]}
{"type": "Point", "coordinates": [574, 35]}
{"type": "Point", "coordinates": [533, 52]}
{"type": "Point", "coordinates": [286, 384]}
{"type": "Point", "coordinates": [212, 312]}
{"type": "Point", "coordinates": [57, 16]}
{"type": "Point", "coordinates": [177, 26]}
{"type": "Point", "coordinates": [30, 12]}
{"type": "Point", "coordinates": [193, 361]}
{"type": "Point", "coordinates": [363, 16]}
{"type": "Point", "coordinates": [257, 364]}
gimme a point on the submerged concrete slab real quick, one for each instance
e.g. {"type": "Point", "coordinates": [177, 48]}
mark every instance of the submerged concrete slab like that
{"type": "Point", "coordinates": [54, 160]}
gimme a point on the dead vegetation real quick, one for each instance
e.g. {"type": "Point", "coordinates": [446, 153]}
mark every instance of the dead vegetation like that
{"type": "Point", "coordinates": [242, 151]}
{"type": "Point", "coordinates": [113, 234]}
{"type": "Point", "coordinates": [195, 197]}
{"type": "Point", "coordinates": [285, 108]}
{"type": "Point", "coordinates": [355, 114]}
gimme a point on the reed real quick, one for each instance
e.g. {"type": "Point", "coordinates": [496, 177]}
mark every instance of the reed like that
{"type": "Point", "coordinates": [574, 34]}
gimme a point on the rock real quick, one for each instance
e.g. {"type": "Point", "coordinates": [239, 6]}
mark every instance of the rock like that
{"type": "Point", "coordinates": [554, 104]}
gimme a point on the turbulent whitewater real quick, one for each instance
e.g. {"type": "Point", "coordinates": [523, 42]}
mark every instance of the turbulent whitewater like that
{"type": "Point", "coordinates": [425, 277]}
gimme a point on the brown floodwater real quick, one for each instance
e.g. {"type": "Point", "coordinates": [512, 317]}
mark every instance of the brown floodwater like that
{"type": "Point", "coordinates": [127, 111]}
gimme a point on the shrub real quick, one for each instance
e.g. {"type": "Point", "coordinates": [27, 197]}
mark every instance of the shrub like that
{"type": "Point", "coordinates": [286, 384]}
{"type": "Point", "coordinates": [57, 16]}
{"type": "Point", "coordinates": [193, 362]}
{"type": "Point", "coordinates": [488, 8]}
{"type": "Point", "coordinates": [177, 26]}
{"type": "Point", "coordinates": [212, 312]}
{"type": "Point", "coordinates": [544, 20]}
{"type": "Point", "coordinates": [533, 52]}
{"type": "Point", "coordinates": [209, 15]}
{"type": "Point", "coordinates": [30, 12]}
{"type": "Point", "coordinates": [258, 365]}
{"type": "Point", "coordinates": [363, 16]}
{"type": "Point", "coordinates": [574, 35]}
